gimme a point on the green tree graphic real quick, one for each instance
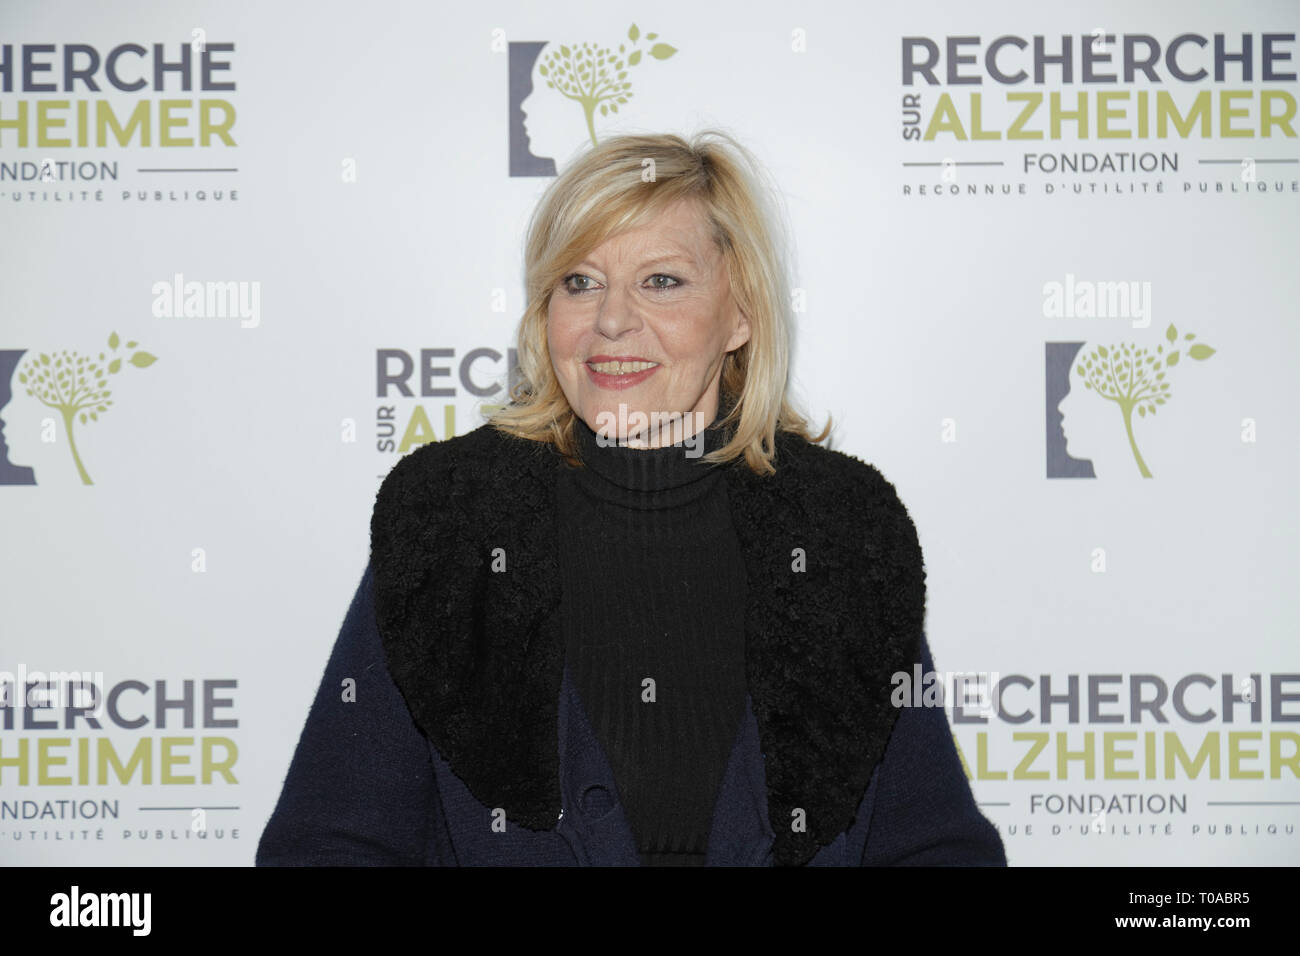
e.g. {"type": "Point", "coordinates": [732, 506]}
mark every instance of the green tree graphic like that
{"type": "Point", "coordinates": [593, 74]}
{"type": "Point", "coordinates": [1133, 378]}
{"type": "Point", "coordinates": [75, 387]}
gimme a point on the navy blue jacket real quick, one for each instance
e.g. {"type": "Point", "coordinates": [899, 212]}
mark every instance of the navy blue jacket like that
{"type": "Point", "coordinates": [447, 730]}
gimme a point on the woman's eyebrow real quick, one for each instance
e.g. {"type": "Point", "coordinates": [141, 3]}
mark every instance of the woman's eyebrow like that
{"type": "Point", "coordinates": [676, 257]}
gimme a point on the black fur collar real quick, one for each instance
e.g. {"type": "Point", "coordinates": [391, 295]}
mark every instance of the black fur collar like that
{"type": "Point", "coordinates": [478, 655]}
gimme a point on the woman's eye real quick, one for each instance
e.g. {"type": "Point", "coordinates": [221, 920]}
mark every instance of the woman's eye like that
{"type": "Point", "coordinates": [670, 282]}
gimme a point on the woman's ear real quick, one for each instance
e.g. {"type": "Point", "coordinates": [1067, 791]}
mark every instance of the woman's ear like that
{"type": "Point", "coordinates": [741, 333]}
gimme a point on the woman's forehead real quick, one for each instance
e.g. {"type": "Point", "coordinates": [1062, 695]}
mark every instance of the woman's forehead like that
{"type": "Point", "coordinates": [675, 235]}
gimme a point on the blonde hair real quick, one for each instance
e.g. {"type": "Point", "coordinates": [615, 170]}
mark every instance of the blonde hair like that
{"type": "Point", "coordinates": [605, 191]}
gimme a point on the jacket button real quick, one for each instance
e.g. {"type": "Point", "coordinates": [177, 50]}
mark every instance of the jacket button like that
{"type": "Point", "coordinates": [597, 801]}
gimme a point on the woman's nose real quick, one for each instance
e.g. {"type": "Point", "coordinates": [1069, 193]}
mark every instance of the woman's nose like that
{"type": "Point", "coordinates": [617, 313]}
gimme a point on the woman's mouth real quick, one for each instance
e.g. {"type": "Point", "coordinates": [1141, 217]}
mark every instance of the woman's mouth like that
{"type": "Point", "coordinates": [618, 372]}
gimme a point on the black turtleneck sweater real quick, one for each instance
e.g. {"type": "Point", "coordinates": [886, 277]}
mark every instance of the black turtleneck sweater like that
{"type": "Point", "coordinates": [654, 589]}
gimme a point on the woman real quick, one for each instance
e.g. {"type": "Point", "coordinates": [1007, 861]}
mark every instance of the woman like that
{"type": "Point", "coordinates": [641, 617]}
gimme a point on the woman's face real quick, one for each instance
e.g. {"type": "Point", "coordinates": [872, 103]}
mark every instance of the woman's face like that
{"type": "Point", "coordinates": [644, 321]}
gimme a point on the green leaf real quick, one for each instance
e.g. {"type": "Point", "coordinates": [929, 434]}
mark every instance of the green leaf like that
{"type": "Point", "coordinates": [635, 58]}
{"type": "Point", "coordinates": [132, 345]}
{"type": "Point", "coordinates": [1172, 359]}
{"type": "Point", "coordinates": [633, 33]}
{"type": "Point", "coordinates": [114, 366]}
{"type": "Point", "coordinates": [566, 52]}
{"type": "Point", "coordinates": [652, 36]}
{"type": "Point", "coordinates": [1189, 336]}
{"type": "Point", "coordinates": [604, 110]}
{"type": "Point", "coordinates": [1200, 352]}
{"type": "Point", "coordinates": [1171, 333]}
{"type": "Point", "coordinates": [1101, 350]}
{"type": "Point", "coordinates": [662, 51]}
{"type": "Point", "coordinates": [83, 418]}
{"type": "Point", "coordinates": [142, 359]}
{"type": "Point", "coordinates": [1142, 410]}
{"type": "Point", "coordinates": [45, 359]}
{"type": "Point", "coordinates": [113, 340]}
{"type": "Point", "coordinates": [94, 417]}
{"type": "Point", "coordinates": [541, 69]}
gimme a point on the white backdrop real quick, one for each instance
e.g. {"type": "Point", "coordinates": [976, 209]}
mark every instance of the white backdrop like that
{"type": "Point", "coordinates": [373, 197]}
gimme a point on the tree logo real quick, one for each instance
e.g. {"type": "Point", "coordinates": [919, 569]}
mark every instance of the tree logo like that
{"type": "Point", "coordinates": [595, 77]}
{"type": "Point", "coordinates": [76, 387]}
{"type": "Point", "coordinates": [1134, 378]}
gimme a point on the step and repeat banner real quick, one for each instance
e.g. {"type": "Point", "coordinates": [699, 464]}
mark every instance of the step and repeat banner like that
{"type": "Point", "coordinates": [1045, 280]}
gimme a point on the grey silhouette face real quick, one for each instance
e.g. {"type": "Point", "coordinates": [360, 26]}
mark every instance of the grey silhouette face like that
{"type": "Point", "coordinates": [14, 463]}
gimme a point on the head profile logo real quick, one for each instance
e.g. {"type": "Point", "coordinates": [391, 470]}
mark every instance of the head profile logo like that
{"type": "Point", "coordinates": [1135, 380]}
{"type": "Point", "coordinates": [74, 385]}
{"type": "Point", "coordinates": [594, 78]}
